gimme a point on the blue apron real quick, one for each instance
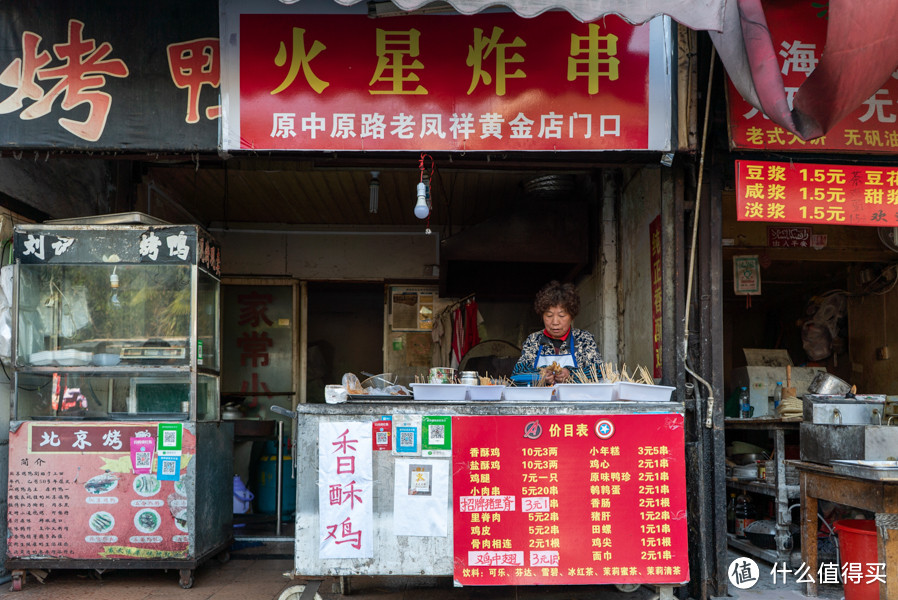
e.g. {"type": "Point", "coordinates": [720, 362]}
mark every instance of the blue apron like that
{"type": "Point", "coordinates": [564, 360]}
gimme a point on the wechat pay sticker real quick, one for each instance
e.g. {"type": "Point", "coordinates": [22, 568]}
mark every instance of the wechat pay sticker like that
{"type": "Point", "coordinates": [743, 573]}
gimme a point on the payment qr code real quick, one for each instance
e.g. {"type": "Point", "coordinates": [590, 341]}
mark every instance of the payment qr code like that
{"type": "Point", "coordinates": [382, 438]}
{"type": "Point", "coordinates": [142, 460]}
{"type": "Point", "coordinates": [169, 467]}
{"type": "Point", "coordinates": [406, 439]}
{"type": "Point", "coordinates": [169, 438]}
{"type": "Point", "coordinates": [437, 434]}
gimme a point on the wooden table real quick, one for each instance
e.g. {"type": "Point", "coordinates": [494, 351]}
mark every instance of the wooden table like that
{"type": "Point", "coordinates": [821, 482]}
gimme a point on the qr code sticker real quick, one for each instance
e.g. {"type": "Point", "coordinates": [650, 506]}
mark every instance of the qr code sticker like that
{"type": "Point", "coordinates": [169, 438]}
{"type": "Point", "coordinates": [168, 467]}
{"type": "Point", "coordinates": [437, 434]}
{"type": "Point", "coordinates": [406, 439]}
{"type": "Point", "coordinates": [382, 438]}
{"type": "Point", "coordinates": [143, 460]}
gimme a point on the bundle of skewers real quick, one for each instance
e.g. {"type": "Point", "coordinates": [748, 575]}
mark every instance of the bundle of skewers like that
{"type": "Point", "coordinates": [610, 374]}
{"type": "Point", "coordinates": [484, 379]}
{"type": "Point", "coordinates": [588, 375]}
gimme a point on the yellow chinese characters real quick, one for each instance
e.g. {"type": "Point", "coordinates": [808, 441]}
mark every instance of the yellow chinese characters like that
{"type": "Point", "coordinates": [599, 58]}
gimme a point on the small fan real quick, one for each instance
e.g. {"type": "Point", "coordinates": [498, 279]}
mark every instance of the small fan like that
{"type": "Point", "coordinates": [889, 237]}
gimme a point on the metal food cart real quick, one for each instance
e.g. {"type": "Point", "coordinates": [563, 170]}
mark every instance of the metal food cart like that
{"type": "Point", "coordinates": [118, 458]}
{"type": "Point", "coordinates": [493, 493]}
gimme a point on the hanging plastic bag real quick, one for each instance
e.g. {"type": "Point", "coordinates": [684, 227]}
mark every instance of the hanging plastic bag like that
{"type": "Point", "coordinates": [352, 384]}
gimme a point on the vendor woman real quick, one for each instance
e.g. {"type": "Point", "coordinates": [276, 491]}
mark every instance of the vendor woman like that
{"type": "Point", "coordinates": [559, 349]}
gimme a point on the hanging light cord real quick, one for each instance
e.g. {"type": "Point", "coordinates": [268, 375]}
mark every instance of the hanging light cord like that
{"type": "Point", "coordinates": [421, 167]}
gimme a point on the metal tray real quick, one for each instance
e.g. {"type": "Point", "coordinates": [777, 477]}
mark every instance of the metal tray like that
{"type": "Point", "coordinates": [379, 397]}
{"type": "Point", "coordinates": [884, 470]}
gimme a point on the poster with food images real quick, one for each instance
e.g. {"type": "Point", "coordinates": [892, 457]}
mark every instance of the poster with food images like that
{"type": "Point", "coordinates": [74, 493]}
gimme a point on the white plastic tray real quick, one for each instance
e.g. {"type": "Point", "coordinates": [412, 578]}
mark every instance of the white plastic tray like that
{"type": "Point", "coordinates": [440, 391]}
{"type": "Point", "coordinates": [586, 392]}
{"type": "Point", "coordinates": [63, 358]}
{"type": "Point", "coordinates": [485, 392]}
{"type": "Point", "coordinates": [642, 392]}
{"type": "Point", "coordinates": [529, 394]}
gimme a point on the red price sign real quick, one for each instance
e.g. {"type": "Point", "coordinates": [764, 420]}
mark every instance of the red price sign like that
{"type": "Point", "coordinates": [811, 193]}
{"type": "Point", "coordinates": [569, 499]}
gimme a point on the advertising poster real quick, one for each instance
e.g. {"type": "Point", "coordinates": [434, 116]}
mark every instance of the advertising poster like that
{"type": "Point", "coordinates": [74, 493]}
{"type": "Point", "coordinates": [345, 497]}
{"type": "Point", "coordinates": [569, 499]}
{"type": "Point", "coordinates": [420, 497]}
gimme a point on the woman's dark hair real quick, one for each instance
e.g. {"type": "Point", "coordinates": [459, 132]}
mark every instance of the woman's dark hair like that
{"type": "Point", "coordinates": [557, 294]}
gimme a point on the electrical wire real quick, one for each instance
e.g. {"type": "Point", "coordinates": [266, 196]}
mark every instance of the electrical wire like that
{"type": "Point", "coordinates": [698, 197]}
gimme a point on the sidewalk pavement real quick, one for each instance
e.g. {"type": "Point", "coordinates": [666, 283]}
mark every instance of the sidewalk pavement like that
{"type": "Point", "coordinates": [260, 571]}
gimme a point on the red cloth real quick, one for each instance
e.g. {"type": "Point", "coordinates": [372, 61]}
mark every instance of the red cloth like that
{"type": "Point", "coordinates": [472, 337]}
{"type": "Point", "coordinates": [860, 53]}
{"type": "Point", "coordinates": [457, 335]}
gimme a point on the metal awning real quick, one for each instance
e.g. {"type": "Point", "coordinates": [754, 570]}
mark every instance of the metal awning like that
{"type": "Point", "coordinates": [695, 14]}
{"type": "Point", "coordinates": [861, 48]}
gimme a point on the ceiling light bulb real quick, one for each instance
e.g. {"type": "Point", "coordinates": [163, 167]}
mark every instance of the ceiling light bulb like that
{"type": "Point", "coordinates": [421, 208]}
{"type": "Point", "coordinates": [373, 192]}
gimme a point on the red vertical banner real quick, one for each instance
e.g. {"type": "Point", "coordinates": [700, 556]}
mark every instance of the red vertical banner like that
{"type": "Point", "coordinates": [74, 493]}
{"type": "Point", "coordinates": [657, 297]}
{"type": "Point", "coordinates": [569, 499]}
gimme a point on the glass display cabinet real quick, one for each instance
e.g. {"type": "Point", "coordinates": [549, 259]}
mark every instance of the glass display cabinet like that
{"type": "Point", "coordinates": [116, 396]}
{"type": "Point", "coordinates": [116, 322]}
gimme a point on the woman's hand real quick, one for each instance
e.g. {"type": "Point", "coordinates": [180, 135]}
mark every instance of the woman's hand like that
{"type": "Point", "coordinates": [551, 376]}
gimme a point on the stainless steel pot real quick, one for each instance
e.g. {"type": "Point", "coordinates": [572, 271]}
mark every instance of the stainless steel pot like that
{"type": "Point", "coordinates": [826, 384]}
{"type": "Point", "coordinates": [749, 459]}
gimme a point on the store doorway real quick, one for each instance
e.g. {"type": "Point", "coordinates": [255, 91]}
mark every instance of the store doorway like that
{"type": "Point", "coordinates": [345, 333]}
{"type": "Point", "coordinates": [803, 310]}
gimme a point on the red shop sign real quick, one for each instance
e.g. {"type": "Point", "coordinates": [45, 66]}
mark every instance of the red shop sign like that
{"type": "Point", "coordinates": [569, 499]}
{"type": "Point", "coordinates": [798, 31]}
{"type": "Point", "coordinates": [442, 82]}
{"type": "Point", "coordinates": [809, 193]}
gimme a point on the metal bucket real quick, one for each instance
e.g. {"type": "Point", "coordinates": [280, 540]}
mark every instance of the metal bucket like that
{"type": "Point", "coordinates": [826, 384]}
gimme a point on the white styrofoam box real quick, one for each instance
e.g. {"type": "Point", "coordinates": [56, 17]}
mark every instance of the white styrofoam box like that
{"type": "Point", "coordinates": [66, 358]}
{"type": "Point", "coordinates": [485, 392]}
{"type": "Point", "coordinates": [642, 392]}
{"type": "Point", "coordinates": [529, 394]}
{"type": "Point", "coordinates": [586, 392]}
{"type": "Point", "coordinates": [453, 392]}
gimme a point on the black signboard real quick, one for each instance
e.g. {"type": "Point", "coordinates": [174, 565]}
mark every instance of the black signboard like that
{"type": "Point", "coordinates": [179, 244]}
{"type": "Point", "coordinates": [109, 75]}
